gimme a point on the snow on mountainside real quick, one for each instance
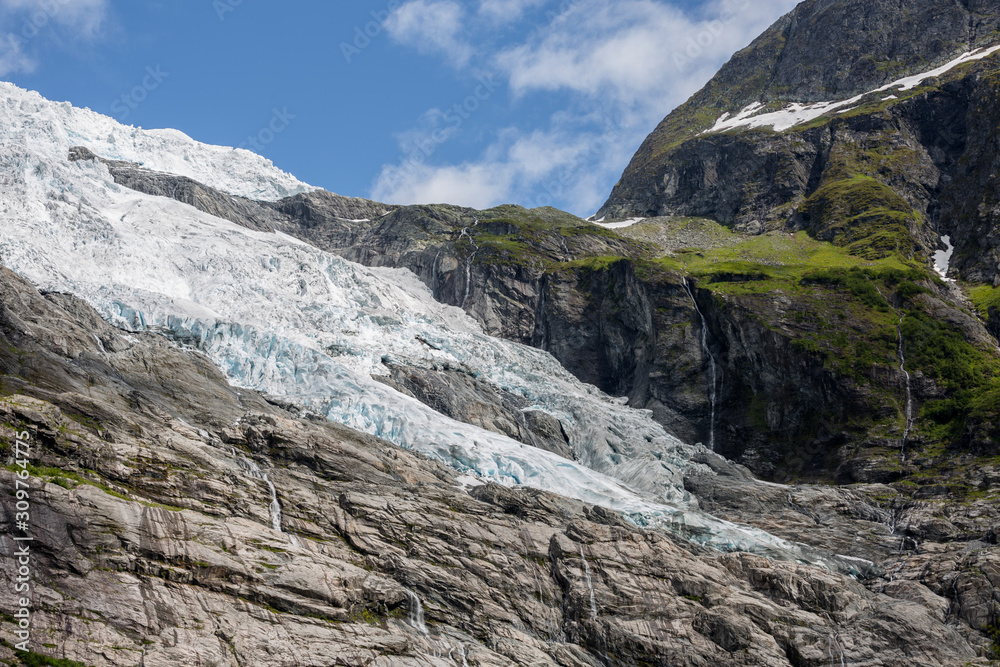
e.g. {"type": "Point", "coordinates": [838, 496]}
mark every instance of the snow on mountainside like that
{"type": "Point", "coordinates": [283, 317]}
{"type": "Point", "coordinates": [796, 114]}
{"type": "Point", "coordinates": [32, 118]}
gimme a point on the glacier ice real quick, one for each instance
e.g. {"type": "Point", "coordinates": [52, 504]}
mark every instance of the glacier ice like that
{"type": "Point", "coordinates": [282, 317]}
{"type": "Point", "coordinates": [236, 171]}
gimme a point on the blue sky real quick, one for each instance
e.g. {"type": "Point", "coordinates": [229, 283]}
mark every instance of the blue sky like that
{"type": "Point", "coordinates": [535, 102]}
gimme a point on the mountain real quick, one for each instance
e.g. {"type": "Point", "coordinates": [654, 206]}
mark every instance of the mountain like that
{"type": "Point", "coordinates": [789, 293]}
{"type": "Point", "coordinates": [870, 127]}
{"type": "Point", "coordinates": [273, 425]}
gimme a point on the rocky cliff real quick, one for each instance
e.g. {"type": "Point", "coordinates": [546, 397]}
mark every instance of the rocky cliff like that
{"type": "Point", "coordinates": [178, 521]}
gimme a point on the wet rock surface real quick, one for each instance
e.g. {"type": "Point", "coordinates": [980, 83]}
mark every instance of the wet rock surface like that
{"type": "Point", "coordinates": [154, 544]}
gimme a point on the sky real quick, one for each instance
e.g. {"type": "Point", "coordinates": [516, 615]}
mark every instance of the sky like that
{"type": "Point", "coordinates": [476, 103]}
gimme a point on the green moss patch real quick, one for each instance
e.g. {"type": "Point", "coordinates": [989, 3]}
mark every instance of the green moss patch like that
{"type": "Point", "coordinates": [984, 297]}
{"type": "Point", "coordinates": [863, 215]}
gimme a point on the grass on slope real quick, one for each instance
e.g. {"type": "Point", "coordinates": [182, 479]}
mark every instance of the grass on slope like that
{"type": "Point", "coordinates": [776, 261]}
{"type": "Point", "coordinates": [515, 235]}
{"type": "Point", "coordinates": [984, 297]}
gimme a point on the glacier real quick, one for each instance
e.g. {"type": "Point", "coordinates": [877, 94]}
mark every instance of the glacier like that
{"type": "Point", "coordinates": [287, 319]}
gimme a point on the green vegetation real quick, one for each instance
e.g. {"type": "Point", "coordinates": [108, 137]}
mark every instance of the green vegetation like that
{"type": "Point", "coordinates": [862, 214]}
{"type": "Point", "coordinates": [943, 354]}
{"type": "Point", "coordinates": [366, 615]}
{"type": "Point", "coordinates": [970, 376]}
{"type": "Point", "coordinates": [779, 261]}
{"type": "Point", "coordinates": [992, 632]}
{"type": "Point", "coordinates": [512, 235]}
{"type": "Point", "coordinates": [32, 659]}
{"type": "Point", "coordinates": [984, 297]}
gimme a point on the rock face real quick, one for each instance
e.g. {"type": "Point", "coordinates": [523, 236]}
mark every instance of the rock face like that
{"type": "Point", "coordinates": [154, 541]}
{"type": "Point", "coordinates": [930, 150]}
{"type": "Point", "coordinates": [458, 394]}
{"type": "Point", "coordinates": [306, 209]}
{"type": "Point", "coordinates": [821, 51]}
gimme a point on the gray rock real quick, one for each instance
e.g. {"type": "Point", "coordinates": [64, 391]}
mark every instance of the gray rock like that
{"type": "Point", "coordinates": [153, 545]}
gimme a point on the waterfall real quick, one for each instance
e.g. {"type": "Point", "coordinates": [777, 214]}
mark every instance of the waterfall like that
{"type": "Point", "coordinates": [468, 263]}
{"type": "Point", "coordinates": [275, 507]}
{"type": "Point", "coordinates": [711, 361]}
{"type": "Point", "coordinates": [417, 613]}
{"type": "Point", "coordinates": [465, 653]}
{"type": "Point", "coordinates": [590, 585]}
{"type": "Point", "coordinates": [254, 471]}
{"type": "Point", "coordinates": [541, 324]}
{"type": "Point", "coordinates": [835, 644]}
{"type": "Point", "coordinates": [909, 389]}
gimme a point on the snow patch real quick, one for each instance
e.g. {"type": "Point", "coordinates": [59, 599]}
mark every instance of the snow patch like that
{"type": "Point", "coordinates": [797, 114]}
{"type": "Point", "coordinates": [619, 225]}
{"type": "Point", "coordinates": [466, 482]}
{"type": "Point", "coordinates": [942, 258]}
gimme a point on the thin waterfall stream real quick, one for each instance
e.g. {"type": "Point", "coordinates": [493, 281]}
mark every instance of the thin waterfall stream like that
{"type": "Point", "coordinates": [590, 585]}
{"type": "Point", "coordinates": [713, 387]}
{"type": "Point", "coordinates": [909, 389]}
{"type": "Point", "coordinates": [468, 262]}
{"type": "Point", "coordinates": [416, 619]}
{"type": "Point", "coordinates": [254, 471]}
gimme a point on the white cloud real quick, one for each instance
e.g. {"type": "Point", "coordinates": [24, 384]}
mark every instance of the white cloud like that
{"type": "Point", "coordinates": [432, 26]}
{"type": "Point", "coordinates": [84, 17]}
{"type": "Point", "coordinates": [553, 165]}
{"type": "Point", "coordinates": [618, 68]}
{"type": "Point", "coordinates": [432, 130]}
{"type": "Point", "coordinates": [12, 57]}
{"type": "Point", "coordinates": [26, 20]}
{"type": "Point", "coordinates": [633, 49]}
{"type": "Point", "coordinates": [479, 185]}
{"type": "Point", "coordinates": [506, 11]}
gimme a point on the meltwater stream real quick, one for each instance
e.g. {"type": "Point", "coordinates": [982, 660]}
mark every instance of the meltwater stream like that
{"type": "Point", "coordinates": [254, 471]}
{"type": "Point", "coordinates": [468, 263]}
{"type": "Point", "coordinates": [909, 389]}
{"type": "Point", "coordinates": [706, 350]}
{"type": "Point", "coordinates": [416, 619]}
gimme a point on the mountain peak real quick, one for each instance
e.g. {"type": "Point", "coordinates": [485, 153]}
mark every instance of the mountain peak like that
{"type": "Point", "coordinates": [822, 51]}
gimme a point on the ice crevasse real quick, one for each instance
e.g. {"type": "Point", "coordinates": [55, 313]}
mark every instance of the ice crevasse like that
{"type": "Point", "coordinates": [282, 317]}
